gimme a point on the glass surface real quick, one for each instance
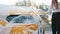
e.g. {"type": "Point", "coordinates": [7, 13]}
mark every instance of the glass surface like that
{"type": "Point", "coordinates": [24, 19]}
{"type": "Point", "coordinates": [10, 17]}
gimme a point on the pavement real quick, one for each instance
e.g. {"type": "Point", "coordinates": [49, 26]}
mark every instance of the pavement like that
{"type": "Point", "coordinates": [48, 32]}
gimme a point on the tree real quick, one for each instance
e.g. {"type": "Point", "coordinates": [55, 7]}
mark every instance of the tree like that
{"type": "Point", "coordinates": [23, 3]}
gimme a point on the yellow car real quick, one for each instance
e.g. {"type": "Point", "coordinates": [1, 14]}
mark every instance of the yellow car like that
{"type": "Point", "coordinates": [23, 23]}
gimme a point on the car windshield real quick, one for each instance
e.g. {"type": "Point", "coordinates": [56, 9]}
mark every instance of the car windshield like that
{"type": "Point", "coordinates": [10, 17]}
{"type": "Point", "coordinates": [24, 19]}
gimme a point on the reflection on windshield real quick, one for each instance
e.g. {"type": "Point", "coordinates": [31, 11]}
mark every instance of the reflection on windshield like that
{"type": "Point", "coordinates": [10, 17]}
{"type": "Point", "coordinates": [23, 19]}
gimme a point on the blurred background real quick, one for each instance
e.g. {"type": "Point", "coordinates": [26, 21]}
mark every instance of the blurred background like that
{"type": "Point", "coordinates": [42, 5]}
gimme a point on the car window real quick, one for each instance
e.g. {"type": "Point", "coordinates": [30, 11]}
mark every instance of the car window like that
{"type": "Point", "coordinates": [10, 17]}
{"type": "Point", "coordinates": [23, 19]}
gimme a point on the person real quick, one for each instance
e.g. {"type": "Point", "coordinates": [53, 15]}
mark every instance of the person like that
{"type": "Point", "coordinates": [55, 9]}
